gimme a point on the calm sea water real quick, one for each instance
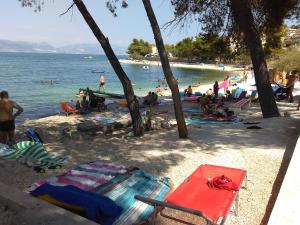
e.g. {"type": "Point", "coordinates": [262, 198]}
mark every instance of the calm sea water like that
{"type": "Point", "coordinates": [27, 77]}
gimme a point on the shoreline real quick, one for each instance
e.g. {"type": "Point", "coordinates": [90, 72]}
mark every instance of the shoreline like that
{"type": "Point", "coordinates": [202, 66]}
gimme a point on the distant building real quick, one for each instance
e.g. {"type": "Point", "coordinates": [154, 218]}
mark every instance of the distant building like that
{"type": "Point", "coordinates": [292, 37]}
{"type": "Point", "coordinates": [154, 52]}
{"type": "Point", "coordinates": [153, 49]}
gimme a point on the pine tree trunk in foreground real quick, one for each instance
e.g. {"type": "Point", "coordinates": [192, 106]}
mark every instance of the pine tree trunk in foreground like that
{"type": "Point", "coordinates": [243, 16]}
{"type": "Point", "coordinates": [182, 130]}
{"type": "Point", "coordinates": [133, 104]}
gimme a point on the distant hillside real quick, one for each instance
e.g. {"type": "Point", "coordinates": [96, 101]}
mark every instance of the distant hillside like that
{"type": "Point", "coordinates": [21, 46]}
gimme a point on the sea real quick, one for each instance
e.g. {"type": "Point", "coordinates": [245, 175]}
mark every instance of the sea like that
{"type": "Point", "coordinates": [40, 81]}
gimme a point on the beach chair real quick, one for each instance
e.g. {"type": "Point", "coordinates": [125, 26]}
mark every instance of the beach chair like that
{"type": "Point", "coordinates": [68, 109]}
{"type": "Point", "coordinates": [253, 96]}
{"type": "Point", "coordinates": [242, 103]}
{"type": "Point", "coordinates": [240, 96]}
{"type": "Point", "coordinates": [195, 197]}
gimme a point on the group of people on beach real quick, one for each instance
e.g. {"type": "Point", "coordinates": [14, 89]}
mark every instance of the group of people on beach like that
{"type": "Point", "coordinates": [151, 99]}
{"type": "Point", "coordinates": [85, 105]}
{"type": "Point", "coordinates": [7, 118]}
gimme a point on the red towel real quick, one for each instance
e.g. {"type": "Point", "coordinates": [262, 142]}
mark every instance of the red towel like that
{"type": "Point", "coordinates": [223, 182]}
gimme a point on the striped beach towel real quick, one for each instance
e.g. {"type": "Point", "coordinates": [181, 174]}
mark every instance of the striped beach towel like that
{"type": "Point", "coordinates": [139, 183]}
{"type": "Point", "coordinates": [34, 154]}
{"type": "Point", "coordinates": [117, 183]}
{"type": "Point", "coordinates": [86, 176]}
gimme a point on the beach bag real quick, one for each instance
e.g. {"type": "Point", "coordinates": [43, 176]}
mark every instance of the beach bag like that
{"type": "Point", "coordinates": [33, 136]}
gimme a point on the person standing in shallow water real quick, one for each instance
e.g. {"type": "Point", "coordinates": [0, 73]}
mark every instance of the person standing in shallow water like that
{"type": "Point", "coordinates": [7, 118]}
{"type": "Point", "coordinates": [102, 82]}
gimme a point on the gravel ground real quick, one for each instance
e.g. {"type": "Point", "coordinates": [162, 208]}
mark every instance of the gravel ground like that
{"type": "Point", "coordinates": [264, 153]}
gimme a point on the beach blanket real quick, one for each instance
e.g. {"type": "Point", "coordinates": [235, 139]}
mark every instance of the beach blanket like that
{"type": "Point", "coordinates": [102, 119]}
{"type": "Point", "coordinates": [35, 155]}
{"type": "Point", "coordinates": [139, 183]}
{"type": "Point", "coordinates": [193, 110]}
{"type": "Point", "coordinates": [93, 206]}
{"type": "Point", "coordinates": [191, 98]}
{"type": "Point", "coordinates": [220, 118]}
{"type": "Point", "coordinates": [86, 176]}
{"type": "Point", "coordinates": [197, 121]}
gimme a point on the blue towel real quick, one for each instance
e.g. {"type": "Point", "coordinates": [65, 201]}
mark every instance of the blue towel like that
{"type": "Point", "coordinates": [97, 207]}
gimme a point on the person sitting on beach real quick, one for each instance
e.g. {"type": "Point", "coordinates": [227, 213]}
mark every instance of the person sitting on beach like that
{"type": "Point", "coordinates": [188, 91]}
{"type": "Point", "coordinates": [216, 89]}
{"type": "Point", "coordinates": [150, 99]}
{"type": "Point", "coordinates": [204, 101]}
{"type": "Point", "coordinates": [92, 100]}
{"type": "Point", "coordinates": [158, 89]}
{"type": "Point", "coordinates": [228, 96]}
{"type": "Point", "coordinates": [154, 98]}
{"type": "Point", "coordinates": [84, 104]}
{"type": "Point", "coordinates": [147, 98]}
{"type": "Point", "coordinates": [209, 92]}
{"type": "Point", "coordinates": [80, 93]}
{"type": "Point", "coordinates": [7, 118]}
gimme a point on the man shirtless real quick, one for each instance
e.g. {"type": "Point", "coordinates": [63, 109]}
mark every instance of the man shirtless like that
{"type": "Point", "coordinates": [7, 118]}
{"type": "Point", "coordinates": [292, 79]}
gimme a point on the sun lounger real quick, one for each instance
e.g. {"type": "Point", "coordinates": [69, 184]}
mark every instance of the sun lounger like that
{"type": "Point", "coordinates": [68, 109]}
{"type": "Point", "coordinates": [196, 197]}
{"type": "Point", "coordinates": [34, 154]}
{"type": "Point", "coordinates": [242, 103]}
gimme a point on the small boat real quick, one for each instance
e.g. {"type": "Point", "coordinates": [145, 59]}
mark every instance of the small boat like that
{"type": "Point", "coordinates": [146, 67]}
{"type": "Point", "coordinates": [88, 57]}
{"type": "Point", "coordinates": [96, 71]}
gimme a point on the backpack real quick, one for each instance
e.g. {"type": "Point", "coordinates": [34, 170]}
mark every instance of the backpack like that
{"type": "Point", "coordinates": [33, 136]}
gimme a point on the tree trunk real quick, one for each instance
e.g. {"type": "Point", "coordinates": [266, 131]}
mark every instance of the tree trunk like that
{"type": "Point", "coordinates": [182, 130]}
{"type": "Point", "coordinates": [133, 104]}
{"type": "Point", "coordinates": [243, 16]}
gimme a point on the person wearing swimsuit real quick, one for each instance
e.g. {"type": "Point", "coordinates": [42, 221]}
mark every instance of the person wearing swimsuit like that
{"type": "Point", "coordinates": [102, 83]}
{"type": "Point", "coordinates": [7, 118]}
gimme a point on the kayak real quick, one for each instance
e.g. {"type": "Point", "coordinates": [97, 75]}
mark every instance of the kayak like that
{"type": "Point", "coordinates": [121, 103]}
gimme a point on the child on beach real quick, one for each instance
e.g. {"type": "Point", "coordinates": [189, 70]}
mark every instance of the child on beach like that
{"type": "Point", "coordinates": [216, 89]}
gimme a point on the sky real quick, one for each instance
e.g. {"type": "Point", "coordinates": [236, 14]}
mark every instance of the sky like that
{"type": "Point", "coordinates": [23, 24]}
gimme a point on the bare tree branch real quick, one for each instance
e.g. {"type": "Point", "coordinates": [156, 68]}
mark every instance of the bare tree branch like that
{"type": "Point", "coordinates": [68, 9]}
